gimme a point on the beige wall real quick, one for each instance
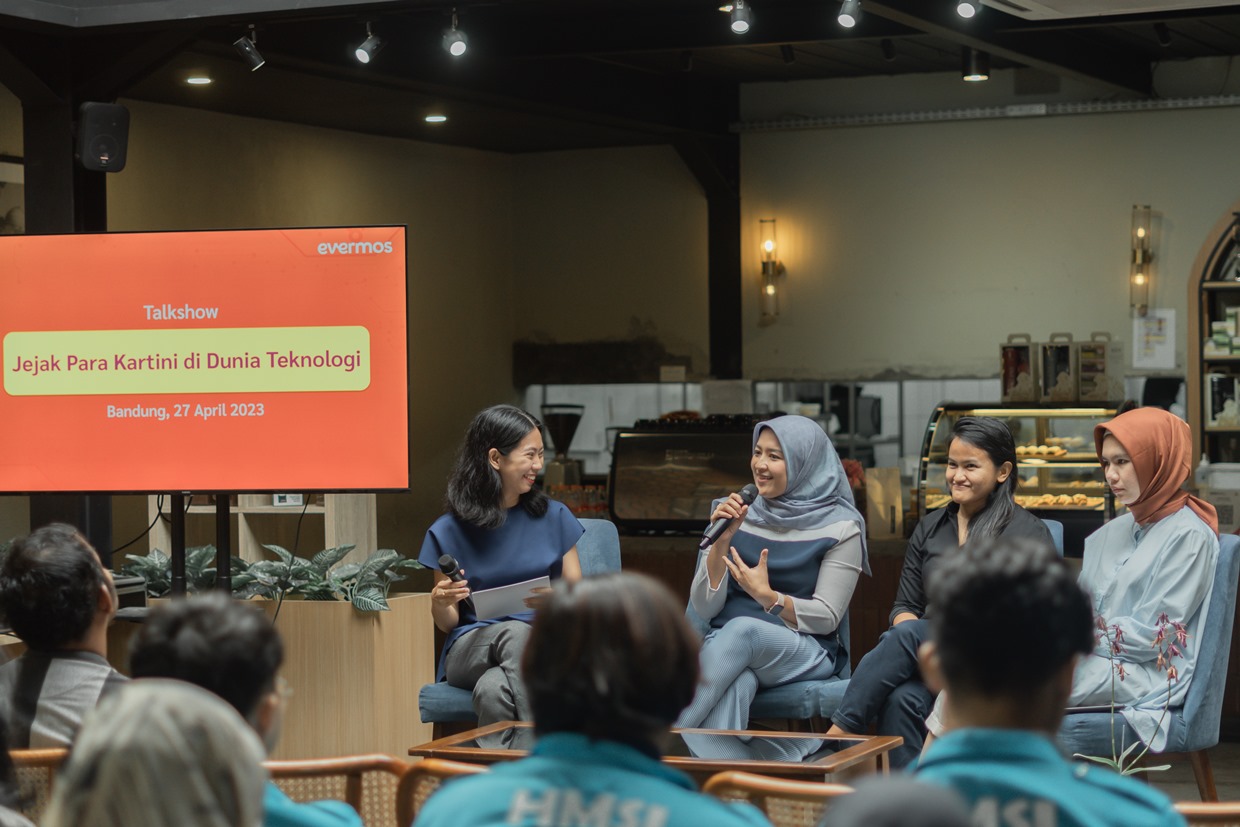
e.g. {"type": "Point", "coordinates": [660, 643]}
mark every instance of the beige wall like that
{"type": "Point", "coordinates": [611, 244]}
{"type": "Point", "coordinates": [919, 247]}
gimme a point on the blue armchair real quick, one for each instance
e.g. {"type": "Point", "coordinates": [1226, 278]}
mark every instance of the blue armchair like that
{"type": "Point", "coordinates": [439, 704]}
{"type": "Point", "coordinates": [1195, 726]}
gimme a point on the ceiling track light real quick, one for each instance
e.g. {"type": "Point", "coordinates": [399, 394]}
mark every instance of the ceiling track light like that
{"type": "Point", "coordinates": [889, 49]}
{"type": "Point", "coordinates": [850, 13]}
{"type": "Point", "coordinates": [974, 65]}
{"type": "Point", "coordinates": [742, 16]}
{"type": "Point", "coordinates": [788, 53]}
{"type": "Point", "coordinates": [246, 48]}
{"type": "Point", "coordinates": [968, 8]}
{"type": "Point", "coordinates": [1163, 33]}
{"type": "Point", "coordinates": [455, 41]}
{"type": "Point", "coordinates": [369, 48]}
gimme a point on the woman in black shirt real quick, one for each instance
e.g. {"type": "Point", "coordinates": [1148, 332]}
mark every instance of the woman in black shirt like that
{"type": "Point", "coordinates": [886, 686]}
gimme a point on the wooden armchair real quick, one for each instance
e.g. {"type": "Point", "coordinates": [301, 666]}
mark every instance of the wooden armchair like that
{"type": "Point", "coordinates": [1222, 813]}
{"type": "Point", "coordinates": [367, 783]}
{"type": "Point", "coordinates": [422, 779]}
{"type": "Point", "coordinates": [785, 802]}
{"type": "Point", "coordinates": [36, 773]}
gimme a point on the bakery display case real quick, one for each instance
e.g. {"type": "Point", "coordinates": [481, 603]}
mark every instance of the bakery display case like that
{"type": "Point", "coordinates": [1060, 478]}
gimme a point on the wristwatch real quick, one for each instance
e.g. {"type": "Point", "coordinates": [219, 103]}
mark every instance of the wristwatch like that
{"type": "Point", "coordinates": [778, 606]}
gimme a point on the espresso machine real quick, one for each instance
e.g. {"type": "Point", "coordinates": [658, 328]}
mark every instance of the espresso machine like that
{"type": "Point", "coordinates": [561, 422]}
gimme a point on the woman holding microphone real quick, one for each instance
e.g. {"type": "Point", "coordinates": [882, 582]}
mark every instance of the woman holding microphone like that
{"type": "Point", "coordinates": [775, 585]}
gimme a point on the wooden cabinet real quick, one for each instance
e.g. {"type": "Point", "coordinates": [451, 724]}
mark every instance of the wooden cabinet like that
{"type": "Point", "coordinates": [342, 519]}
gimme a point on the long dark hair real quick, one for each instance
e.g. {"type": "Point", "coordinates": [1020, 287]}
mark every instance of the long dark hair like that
{"type": "Point", "coordinates": [995, 438]}
{"type": "Point", "coordinates": [474, 487]}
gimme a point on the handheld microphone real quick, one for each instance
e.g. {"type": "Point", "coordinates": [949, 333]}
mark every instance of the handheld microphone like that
{"type": "Point", "coordinates": [448, 565]}
{"type": "Point", "coordinates": [748, 494]}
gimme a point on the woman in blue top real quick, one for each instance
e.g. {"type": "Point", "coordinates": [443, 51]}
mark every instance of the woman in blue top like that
{"type": "Point", "coordinates": [501, 529]}
{"type": "Point", "coordinates": [776, 584]}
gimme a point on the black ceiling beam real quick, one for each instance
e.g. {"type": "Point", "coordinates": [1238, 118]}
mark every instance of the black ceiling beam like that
{"type": "Point", "coordinates": [1102, 21]}
{"type": "Point", "coordinates": [611, 31]}
{"type": "Point", "coordinates": [1002, 35]}
{"type": "Point", "coordinates": [577, 89]}
{"type": "Point", "coordinates": [120, 68]}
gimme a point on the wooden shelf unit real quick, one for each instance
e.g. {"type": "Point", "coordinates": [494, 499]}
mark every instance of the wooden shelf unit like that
{"type": "Point", "coordinates": [343, 519]}
{"type": "Point", "coordinates": [1212, 288]}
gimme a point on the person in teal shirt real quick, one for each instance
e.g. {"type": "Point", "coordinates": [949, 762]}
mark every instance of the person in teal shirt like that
{"type": "Point", "coordinates": [231, 649]}
{"type": "Point", "coordinates": [610, 663]}
{"type": "Point", "coordinates": [1009, 626]}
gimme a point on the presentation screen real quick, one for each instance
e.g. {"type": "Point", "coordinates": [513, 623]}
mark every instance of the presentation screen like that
{"type": "Point", "coordinates": [240, 360]}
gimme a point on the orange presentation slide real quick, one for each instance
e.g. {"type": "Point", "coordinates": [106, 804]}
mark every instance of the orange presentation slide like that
{"type": "Point", "coordinates": [240, 360]}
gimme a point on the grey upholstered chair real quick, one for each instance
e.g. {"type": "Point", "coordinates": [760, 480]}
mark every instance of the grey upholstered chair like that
{"type": "Point", "coordinates": [599, 552]}
{"type": "Point", "coordinates": [1195, 726]}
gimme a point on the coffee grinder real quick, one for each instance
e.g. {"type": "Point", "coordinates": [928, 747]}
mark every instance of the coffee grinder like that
{"type": "Point", "coordinates": [562, 422]}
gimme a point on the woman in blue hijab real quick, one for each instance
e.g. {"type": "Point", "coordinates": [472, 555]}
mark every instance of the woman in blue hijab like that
{"type": "Point", "coordinates": [776, 584]}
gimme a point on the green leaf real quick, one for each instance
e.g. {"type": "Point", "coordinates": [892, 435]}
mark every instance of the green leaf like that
{"type": "Point", "coordinates": [1106, 762]}
{"type": "Point", "coordinates": [329, 557]}
{"type": "Point", "coordinates": [370, 600]}
{"type": "Point", "coordinates": [281, 552]}
{"type": "Point", "coordinates": [346, 572]}
{"type": "Point", "coordinates": [377, 562]}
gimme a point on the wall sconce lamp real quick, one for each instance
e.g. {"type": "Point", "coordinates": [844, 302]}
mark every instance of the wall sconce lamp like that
{"type": "Point", "coordinates": [772, 272]}
{"type": "Point", "coordinates": [1141, 269]}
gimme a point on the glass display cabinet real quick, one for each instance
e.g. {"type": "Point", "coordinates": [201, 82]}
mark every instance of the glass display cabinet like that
{"type": "Point", "coordinates": [1060, 478]}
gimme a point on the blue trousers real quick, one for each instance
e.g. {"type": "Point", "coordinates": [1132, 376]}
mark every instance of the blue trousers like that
{"type": "Point", "coordinates": [744, 655]}
{"type": "Point", "coordinates": [886, 689]}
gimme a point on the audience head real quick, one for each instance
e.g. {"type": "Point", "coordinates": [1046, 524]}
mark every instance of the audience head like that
{"type": "Point", "coordinates": [227, 647]}
{"type": "Point", "coordinates": [502, 451]}
{"type": "Point", "coordinates": [157, 753]}
{"type": "Point", "coordinates": [895, 801]}
{"type": "Point", "coordinates": [54, 590]}
{"type": "Point", "coordinates": [981, 473]}
{"type": "Point", "coordinates": [611, 657]}
{"type": "Point", "coordinates": [1008, 624]}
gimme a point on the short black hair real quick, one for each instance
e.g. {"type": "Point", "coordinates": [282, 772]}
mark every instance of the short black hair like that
{"type": "Point", "coordinates": [1008, 615]}
{"type": "Point", "coordinates": [220, 644]}
{"type": "Point", "coordinates": [49, 587]}
{"type": "Point", "coordinates": [611, 657]}
{"type": "Point", "coordinates": [474, 487]}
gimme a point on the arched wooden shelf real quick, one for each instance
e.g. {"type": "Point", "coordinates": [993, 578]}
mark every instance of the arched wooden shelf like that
{"type": "Point", "coordinates": [1213, 284]}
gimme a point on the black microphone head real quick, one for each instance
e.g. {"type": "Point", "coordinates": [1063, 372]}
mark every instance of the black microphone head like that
{"type": "Point", "coordinates": [749, 493]}
{"type": "Point", "coordinates": [447, 564]}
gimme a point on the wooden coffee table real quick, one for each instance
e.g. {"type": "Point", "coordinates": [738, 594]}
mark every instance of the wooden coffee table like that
{"type": "Point", "coordinates": [699, 752]}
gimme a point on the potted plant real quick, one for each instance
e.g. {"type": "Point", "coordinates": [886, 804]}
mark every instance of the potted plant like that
{"type": "Point", "coordinates": [354, 653]}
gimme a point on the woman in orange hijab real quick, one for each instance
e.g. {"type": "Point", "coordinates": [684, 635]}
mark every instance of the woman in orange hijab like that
{"type": "Point", "coordinates": [1157, 559]}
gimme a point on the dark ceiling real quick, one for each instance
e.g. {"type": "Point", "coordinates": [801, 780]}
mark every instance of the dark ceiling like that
{"type": "Point", "coordinates": [553, 74]}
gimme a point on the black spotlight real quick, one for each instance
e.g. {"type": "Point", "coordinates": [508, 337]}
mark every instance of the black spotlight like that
{"type": "Point", "coordinates": [246, 48]}
{"type": "Point", "coordinates": [1163, 33]}
{"type": "Point", "coordinates": [974, 64]}
{"type": "Point", "coordinates": [788, 54]}
{"type": "Point", "coordinates": [889, 49]}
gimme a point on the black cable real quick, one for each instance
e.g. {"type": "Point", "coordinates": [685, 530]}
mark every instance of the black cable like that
{"type": "Point", "coordinates": [159, 512]}
{"type": "Point", "coordinates": [296, 540]}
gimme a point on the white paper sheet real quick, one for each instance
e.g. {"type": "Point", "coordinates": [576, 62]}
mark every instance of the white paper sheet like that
{"type": "Point", "coordinates": [506, 600]}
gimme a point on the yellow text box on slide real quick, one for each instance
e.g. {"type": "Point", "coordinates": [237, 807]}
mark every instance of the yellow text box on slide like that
{"type": "Point", "coordinates": [219, 360]}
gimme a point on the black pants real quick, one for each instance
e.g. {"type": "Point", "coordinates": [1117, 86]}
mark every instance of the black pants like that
{"type": "Point", "coordinates": [886, 689]}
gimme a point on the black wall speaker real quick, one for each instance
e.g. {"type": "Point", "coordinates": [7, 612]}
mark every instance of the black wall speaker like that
{"type": "Point", "coordinates": [103, 132]}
